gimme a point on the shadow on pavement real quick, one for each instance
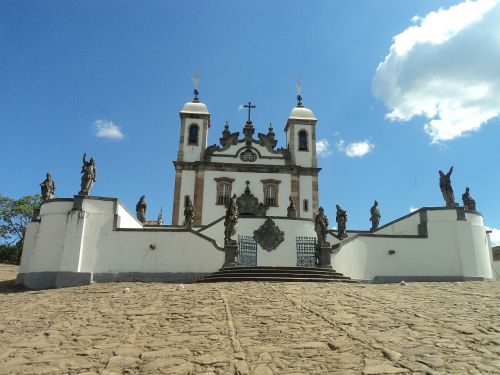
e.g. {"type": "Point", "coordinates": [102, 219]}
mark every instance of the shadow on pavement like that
{"type": "Point", "coordinates": [9, 286]}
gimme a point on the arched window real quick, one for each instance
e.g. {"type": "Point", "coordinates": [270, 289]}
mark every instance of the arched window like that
{"type": "Point", "coordinates": [223, 195]}
{"type": "Point", "coordinates": [193, 134]}
{"type": "Point", "coordinates": [302, 140]}
{"type": "Point", "coordinates": [306, 205]}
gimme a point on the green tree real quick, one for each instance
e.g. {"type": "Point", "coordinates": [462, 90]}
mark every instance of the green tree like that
{"type": "Point", "coordinates": [14, 216]}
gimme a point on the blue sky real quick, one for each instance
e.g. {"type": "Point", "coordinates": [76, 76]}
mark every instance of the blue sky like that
{"type": "Point", "coordinates": [68, 66]}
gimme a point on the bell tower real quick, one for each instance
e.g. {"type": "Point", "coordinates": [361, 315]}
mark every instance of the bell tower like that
{"type": "Point", "coordinates": [195, 122]}
{"type": "Point", "coordinates": [300, 132]}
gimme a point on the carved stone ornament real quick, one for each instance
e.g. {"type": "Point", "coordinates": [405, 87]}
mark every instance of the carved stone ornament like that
{"type": "Point", "coordinates": [248, 204]}
{"type": "Point", "coordinates": [269, 235]}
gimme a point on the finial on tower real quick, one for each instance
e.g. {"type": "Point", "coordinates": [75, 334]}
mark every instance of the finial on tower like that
{"type": "Point", "coordinates": [196, 81]}
{"type": "Point", "coordinates": [298, 89]}
{"type": "Point", "coordinates": [270, 130]}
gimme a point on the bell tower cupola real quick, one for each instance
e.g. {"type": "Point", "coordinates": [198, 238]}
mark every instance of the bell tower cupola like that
{"type": "Point", "coordinates": [300, 132]}
{"type": "Point", "coordinates": [195, 122]}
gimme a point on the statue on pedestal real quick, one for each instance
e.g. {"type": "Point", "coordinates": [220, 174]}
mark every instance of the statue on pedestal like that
{"type": "Point", "coordinates": [321, 226]}
{"type": "Point", "coordinates": [446, 189]}
{"type": "Point", "coordinates": [341, 222]}
{"type": "Point", "coordinates": [48, 187]}
{"type": "Point", "coordinates": [469, 202]}
{"type": "Point", "coordinates": [140, 209]}
{"type": "Point", "coordinates": [88, 175]}
{"type": "Point", "coordinates": [375, 216]}
{"type": "Point", "coordinates": [292, 209]}
{"type": "Point", "coordinates": [231, 221]}
{"type": "Point", "coordinates": [188, 214]}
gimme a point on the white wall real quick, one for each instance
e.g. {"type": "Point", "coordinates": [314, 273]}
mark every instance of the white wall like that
{"type": "Point", "coordinates": [126, 219]}
{"type": "Point", "coordinates": [496, 269]}
{"type": "Point", "coordinates": [212, 211]}
{"type": "Point", "coordinates": [86, 241]}
{"type": "Point", "coordinates": [48, 237]}
{"type": "Point", "coordinates": [306, 189]}
{"type": "Point", "coordinates": [408, 226]}
{"type": "Point", "coordinates": [454, 248]}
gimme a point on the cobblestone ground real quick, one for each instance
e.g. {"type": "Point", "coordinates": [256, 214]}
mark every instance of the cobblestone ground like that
{"type": "Point", "coordinates": [250, 328]}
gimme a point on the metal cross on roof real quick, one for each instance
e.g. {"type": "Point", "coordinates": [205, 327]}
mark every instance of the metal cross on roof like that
{"type": "Point", "coordinates": [249, 106]}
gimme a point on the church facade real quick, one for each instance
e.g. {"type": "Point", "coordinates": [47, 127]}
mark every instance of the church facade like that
{"type": "Point", "coordinates": [249, 165]}
{"type": "Point", "coordinates": [83, 239]}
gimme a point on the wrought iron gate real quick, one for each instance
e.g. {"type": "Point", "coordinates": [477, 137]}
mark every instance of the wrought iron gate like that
{"type": "Point", "coordinates": [306, 252]}
{"type": "Point", "coordinates": [247, 251]}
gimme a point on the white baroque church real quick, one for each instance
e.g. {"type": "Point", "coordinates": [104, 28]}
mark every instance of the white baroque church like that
{"type": "Point", "coordinates": [83, 239]}
{"type": "Point", "coordinates": [210, 175]}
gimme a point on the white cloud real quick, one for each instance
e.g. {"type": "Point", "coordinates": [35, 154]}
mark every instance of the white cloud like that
{"type": "Point", "coordinates": [323, 148]}
{"type": "Point", "coordinates": [107, 129]}
{"type": "Point", "coordinates": [413, 209]}
{"type": "Point", "coordinates": [445, 67]}
{"type": "Point", "coordinates": [494, 236]}
{"type": "Point", "coordinates": [355, 149]}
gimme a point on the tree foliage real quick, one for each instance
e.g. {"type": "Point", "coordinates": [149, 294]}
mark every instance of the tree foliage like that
{"type": "Point", "coordinates": [14, 216]}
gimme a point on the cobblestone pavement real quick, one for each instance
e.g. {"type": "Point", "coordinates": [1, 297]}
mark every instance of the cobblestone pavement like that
{"type": "Point", "coordinates": [250, 328]}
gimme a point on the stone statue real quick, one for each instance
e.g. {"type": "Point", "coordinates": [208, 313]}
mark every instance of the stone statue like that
{"type": "Point", "coordinates": [48, 187]}
{"type": "Point", "coordinates": [341, 222]}
{"type": "Point", "coordinates": [88, 175]}
{"type": "Point", "coordinates": [188, 214]}
{"type": "Point", "coordinates": [375, 216]}
{"type": "Point", "coordinates": [231, 221]}
{"type": "Point", "coordinates": [446, 189]}
{"type": "Point", "coordinates": [141, 208]}
{"type": "Point", "coordinates": [469, 202]}
{"type": "Point", "coordinates": [292, 209]}
{"type": "Point", "coordinates": [321, 226]}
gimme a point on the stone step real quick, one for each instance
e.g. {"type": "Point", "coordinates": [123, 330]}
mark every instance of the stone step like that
{"type": "Point", "coordinates": [275, 279]}
{"type": "Point", "coordinates": [277, 269]}
{"type": "Point", "coordinates": [279, 274]}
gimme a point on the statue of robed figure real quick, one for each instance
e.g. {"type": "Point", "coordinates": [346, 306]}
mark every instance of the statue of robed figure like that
{"type": "Point", "coordinates": [188, 214]}
{"type": "Point", "coordinates": [140, 209]}
{"type": "Point", "coordinates": [341, 222]}
{"type": "Point", "coordinates": [469, 202]}
{"type": "Point", "coordinates": [231, 220]}
{"type": "Point", "coordinates": [321, 226]}
{"type": "Point", "coordinates": [48, 188]}
{"type": "Point", "coordinates": [88, 175]}
{"type": "Point", "coordinates": [446, 189]}
{"type": "Point", "coordinates": [375, 216]}
{"type": "Point", "coordinates": [291, 211]}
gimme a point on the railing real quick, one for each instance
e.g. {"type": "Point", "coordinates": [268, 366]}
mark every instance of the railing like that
{"type": "Point", "coordinates": [306, 252]}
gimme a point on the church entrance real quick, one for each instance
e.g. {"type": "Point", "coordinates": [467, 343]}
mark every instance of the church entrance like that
{"type": "Point", "coordinates": [247, 251]}
{"type": "Point", "coordinates": [306, 252]}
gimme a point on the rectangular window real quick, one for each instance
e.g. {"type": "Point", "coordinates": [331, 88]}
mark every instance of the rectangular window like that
{"type": "Point", "coordinates": [271, 192]}
{"type": "Point", "coordinates": [224, 186]}
{"type": "Point", "coordinates": [306, 205]}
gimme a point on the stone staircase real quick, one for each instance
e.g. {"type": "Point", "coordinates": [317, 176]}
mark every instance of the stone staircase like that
{"type": "Point", "coordinates": [280, 274]}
